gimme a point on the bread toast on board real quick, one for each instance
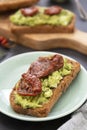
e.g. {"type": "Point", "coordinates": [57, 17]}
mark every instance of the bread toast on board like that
{"type": "Point", "coordinates": [41, 27]}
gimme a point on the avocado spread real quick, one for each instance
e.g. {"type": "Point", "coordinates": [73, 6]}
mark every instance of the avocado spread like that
{"type": "Point", "coordinates": [48, 84]}
{"type": "Point", "coordinates": [63, 18]}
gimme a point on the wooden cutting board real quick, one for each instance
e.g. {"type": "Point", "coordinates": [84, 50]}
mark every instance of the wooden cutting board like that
{"type": "Point", "coordinates": [76, 40]}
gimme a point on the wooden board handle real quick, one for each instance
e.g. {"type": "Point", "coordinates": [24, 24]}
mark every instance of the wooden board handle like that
{"type": "Point", "coordinates": [76, 41]}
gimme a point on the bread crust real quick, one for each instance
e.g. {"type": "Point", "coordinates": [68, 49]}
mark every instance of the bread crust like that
{"type": "Point", "coordinates": [57, 92]}
{"type": "Point", "coordinates": [7, 5]}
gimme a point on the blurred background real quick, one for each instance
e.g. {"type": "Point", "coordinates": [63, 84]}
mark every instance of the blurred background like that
{"type": "Point", "coordinates": [69, 4]}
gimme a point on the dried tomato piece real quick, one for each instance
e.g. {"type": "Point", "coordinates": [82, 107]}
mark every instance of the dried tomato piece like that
{"type": "Point", "coordinates": [40, 68]}
{"type": "Point", "coordinates": [46, 65]}
{"type": "Point", "coordinates": [29, 11]}
{"type": "Point", "coordinates": [3, 41]}
{"type": "Point", "coordinates": [52, 10]}
{"type": "Point", "coordinates": [29, 85]}
{"type": "Point", "coordinates": [57, 62]}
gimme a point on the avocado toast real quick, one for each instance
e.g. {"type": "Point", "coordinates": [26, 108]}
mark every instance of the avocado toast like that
{"type": "Point", "coordinates": [35, 19]}
{"type": "Point", "coordinates": [42, 85]}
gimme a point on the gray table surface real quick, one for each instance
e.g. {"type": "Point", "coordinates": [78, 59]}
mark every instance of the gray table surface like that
{"type": "Point", "coordinates": [7, 123]}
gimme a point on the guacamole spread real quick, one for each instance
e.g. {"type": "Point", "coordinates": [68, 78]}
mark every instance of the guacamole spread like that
{"type": "Point", "coordinates": [48, 84]}
{"type": "Point", "coordinates": [62, 19]}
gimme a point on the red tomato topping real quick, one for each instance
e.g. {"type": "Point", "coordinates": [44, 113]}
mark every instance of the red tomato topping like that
{"type": "Point", "coordinates": [53, 10]}
{"type": "Point", "coordinates": [30, 85]}
{"type": "Point", "coordinates": [45, 65]}
{"type": "Point", "coordinates": [29, 11]}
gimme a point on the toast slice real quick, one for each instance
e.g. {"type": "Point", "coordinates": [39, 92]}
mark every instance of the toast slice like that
{"type": "Point", "coordinates": [7, 5]}
{"type": "Point", "coordinates": [45, 109]}
{"type": "Point", "coordinates": [64, 24]}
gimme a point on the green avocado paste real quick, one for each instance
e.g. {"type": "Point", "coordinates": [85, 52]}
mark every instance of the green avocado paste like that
{"type": "Point", "coordinates": [48, 84]}
{"type": "Point", "coordinates": [64, 18]}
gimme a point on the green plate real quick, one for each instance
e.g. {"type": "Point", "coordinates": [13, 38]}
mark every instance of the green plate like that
{"type": "Point", "coordinates": [10, 73]}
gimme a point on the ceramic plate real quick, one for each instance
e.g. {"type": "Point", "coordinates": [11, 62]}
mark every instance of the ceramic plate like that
{"type": "Point", "coordinates": [10, 73]}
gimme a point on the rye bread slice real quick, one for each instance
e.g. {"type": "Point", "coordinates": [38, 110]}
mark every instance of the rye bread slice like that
{"type": "Point", "coordinates": [57, 93]}
{"type": "Point", "coordinates": [40, 29]}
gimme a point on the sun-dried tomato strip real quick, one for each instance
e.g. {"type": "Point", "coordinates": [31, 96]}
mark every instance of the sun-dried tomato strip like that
{"type": "Point", "coordinates": [52, 10]}
{"type": "Point", "coordinates": [31, 11]}
{"type": "Point", "coordinates": [46, 65]}
{"type": "Point", "coordinates": [29, 85]}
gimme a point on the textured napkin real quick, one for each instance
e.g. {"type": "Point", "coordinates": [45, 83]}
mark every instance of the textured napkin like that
{"type": "Point", "coordinates": [78, 120]}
